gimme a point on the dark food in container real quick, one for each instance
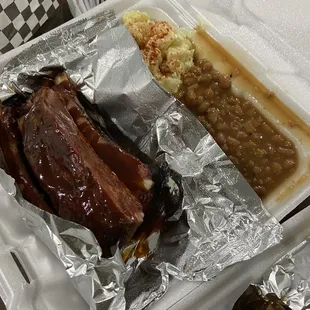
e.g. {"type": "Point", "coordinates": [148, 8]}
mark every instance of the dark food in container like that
{"type": "Point", "coordinates": [260, 151]}
{"type": "Point", "coordinates": [131, 171]}
{"type": "Point", "coordinates": [251, 299]}
{"type": "Point", "coordinates": [82, 188]}
{"type": "Point", "coordinates": [14, 161]}
{"type": "Point", "coordinates": [60, 154]}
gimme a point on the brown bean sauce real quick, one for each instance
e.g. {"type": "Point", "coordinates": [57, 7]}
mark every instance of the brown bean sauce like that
{"type": "Point", "coordinates": [262, 153]}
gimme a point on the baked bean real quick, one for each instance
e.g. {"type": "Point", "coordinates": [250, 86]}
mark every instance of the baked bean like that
{"type": "Point", "coordinates": [251, 164]}
{"type": "Point", "coordinates": [260, 153]}
{"type": "Point", "coordinates": [214, 85]}
{"type": "Point", "coordinates": [223, 112]}
{"type": "Point", "coordinates": [257, 170]}
{"type": "Point", "coordinates": [212, 132]}
{"type": "Point", "coordinates": [234, 160]}
{"type": "Point", "coordinates": [278, 139]}
{"type": "Point", "coordinates": [205, 78]}
{"type": "Point", "coordinates": [222, 126]}
{"type": "Point", "coordinates": [238, 110]}
{"type": "Point", "coordinates": [235, 125]}
{"type": "Point", "coordinates": [232, 141]}
{"type": "Point", "coordinates": [231, 100]}
{"type": "Point", "coordinates": [203, 107]}
{"type": "Point", "coordinates": [215, 76]}
{"type": "Point", "coordinates": [200, 99]}
{"type": "Point", "coordinates": [250, 113]}
{"type": "Point", "coordinates": [284, 151]}
{"type": "Point", "coordinates": [191, 98]}
{"type": "Point", "coordinates": [213, 117]}
{"type": "Point", "coordinates": [249, 145]}
{"type": "Point", "coordinates": [209, 126]}
{"type": "Point", "coordinates": [237, 101]}
{"type": "Point", "coordinates": [288, 144]}
{"type": "Point", "coordinates": [246, 104]}
{"type": "Point", "coordinates": [259, 120]}
{"type": "Point", "coordinates": [267, 128]}
{"type": "Point", "coordinates": [267, 180]}
{"type": "Point", "coordinates": [241, 135]}
{"type": "Point", "coordinates": [196, 70]}
{"type": "Point", "coordinates": [260, 190]}
{"type": "Point", "coordinates": [224, 81]}
{"type": "Point", "coordinates": [257, 136]}
{"type": "Point", "coordinates": [224, 98]}
{"type": "Point", "coordinates": [205, 65]}
{"type": "Point", "coordinates": [209, 93]}
{"type": "Point", "coordinates": [267, 170]}
{"type": "Point", "coordinates": [203, 121]}
{"type": "Point", "coordinates": [270, 149]}
{"type": "Point", "coordinates": [239, 155]}
{"type": "Point", "coordinates": [193, 87]}
{"type": "Point", "coordinates": [180, 93]}
{"type": "Point", "coordinates": [255, 123]}
{"type": "Point", "coordinates": [277, 168]}
{"type": "Point", "coordinates": [289, 163]}
{"type": "Point", "coordinates": [189, 81]}
{"type": "Point", "coordinates": [220, 138]}
{"type": "Point", "coordinates": [248, 127]}
{"type": "Point", "coordinates": [263, 155]}
{"type": "Point", "coordinates": [225, 148]}
{"type": "Point", "coordinates": [216, 93]}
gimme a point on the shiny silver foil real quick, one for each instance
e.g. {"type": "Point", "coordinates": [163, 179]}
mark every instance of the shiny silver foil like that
{"type": "Point", "coordinates": [289, 278]}
{"type": "Point", "coordinates": [218, 220]}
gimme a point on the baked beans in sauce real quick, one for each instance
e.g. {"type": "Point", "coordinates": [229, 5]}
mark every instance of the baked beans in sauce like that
{"type": "Point", "coordinates": [262, 153]}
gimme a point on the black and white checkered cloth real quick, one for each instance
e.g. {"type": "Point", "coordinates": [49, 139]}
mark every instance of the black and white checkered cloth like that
{"type": "Point", "coordinates": [20, 19]}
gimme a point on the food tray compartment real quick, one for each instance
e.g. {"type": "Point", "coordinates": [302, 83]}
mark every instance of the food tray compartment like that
{"type": "Point", "coordinates": [281, 113]}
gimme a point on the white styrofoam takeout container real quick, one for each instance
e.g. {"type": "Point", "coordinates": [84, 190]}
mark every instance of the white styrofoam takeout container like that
{"type": "Point", "coordinates": [263, 42]}
{"type": "Point", "coordinates": [265, 49]}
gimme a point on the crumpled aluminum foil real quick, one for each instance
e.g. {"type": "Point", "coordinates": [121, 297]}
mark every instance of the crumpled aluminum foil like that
{"type": "Point", "coordinates": [289, 278]}
{"type": "Point", "coordinates": [218, 222]}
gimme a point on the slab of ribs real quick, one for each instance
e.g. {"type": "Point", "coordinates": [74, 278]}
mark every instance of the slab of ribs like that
{"type": "Point", "coordinates": [64, 164]}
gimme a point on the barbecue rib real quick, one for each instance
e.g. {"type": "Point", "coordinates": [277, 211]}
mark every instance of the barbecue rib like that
{"type": "Point", "coordinates": [2, 160]}
{"type": "Point", "coordinates": [82, 188]}
{"type": "Point", "coordinates": [129, 169]}
{"type": "Point", "coordinates": [14, 161]}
